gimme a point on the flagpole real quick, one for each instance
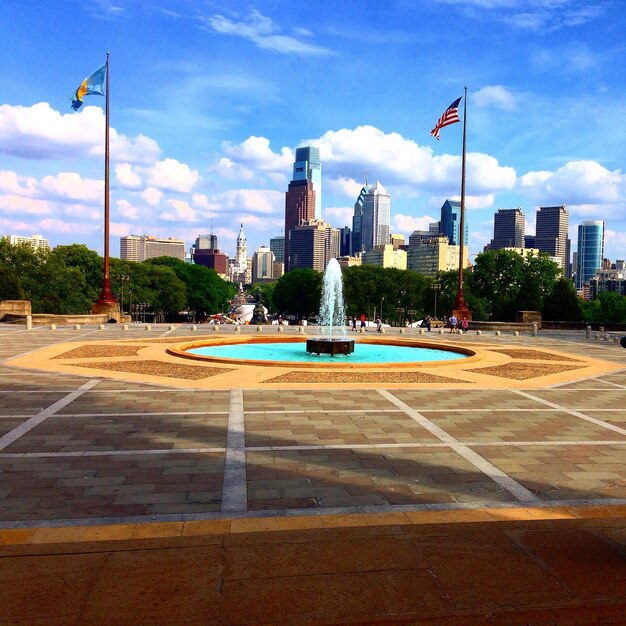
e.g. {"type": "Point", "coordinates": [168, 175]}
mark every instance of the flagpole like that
{"type": "Point", "coordinates": [460, 307]}
{"type": "Point", "coordinates": [106, 303]}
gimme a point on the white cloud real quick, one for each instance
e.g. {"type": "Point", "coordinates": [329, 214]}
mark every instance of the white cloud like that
{"type": "Point", "coordinates": [70, 187]}
{"type": "Point", "coordinates": [81, 211]}
{"type": "Point", "coordinates": [496, 96]}
{"type": "Point", "coordinates": [339, 216]}
{"type": "Point", "coordinates": [408, 223]}
{"type": "Point", "coordinates": [40, 132]}
{"type": "Point", "coordinates": [122, 229]}
{"type": "Point", "coordinates": [341, 186]}
{"type": "Point", "coordinates": [577, 183]}
{"type": "Point", "coordinates": [18, 204]}
{"type": "Point", "coordinates": [127, 177]}
{"type": "Point", "coordinates": [181, 212]}
{"type": "Point", "coordinates": [127, 210]}
{"type": "Point", "coordinates": [262, 31]}
{"type": "Point", "coordinates": [152, 196]}
{"type": "Point", "coordinates": [264, 201]}
{"type": "Point", "coordinates": [11, 182]}
{"type": "Point", "coordinates": [476, 202]}
{"type": "Point", "coordinates": [68, 228]}
{"type": "Point", "coordinates": [172, 175]}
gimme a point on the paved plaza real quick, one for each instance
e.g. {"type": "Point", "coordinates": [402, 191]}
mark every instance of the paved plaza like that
{"type": "Point", "coordinates": [107, 438]}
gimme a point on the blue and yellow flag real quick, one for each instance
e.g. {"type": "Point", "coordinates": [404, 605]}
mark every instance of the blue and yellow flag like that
{"type": "Point", "coordinates": [94, 84]}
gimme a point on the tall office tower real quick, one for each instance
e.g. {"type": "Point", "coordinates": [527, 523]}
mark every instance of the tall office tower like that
{"type": "Point", "coordinates": [262, 264]}
{"type": "Point", "coordinates": [529, 241]}
{"type": "Point", "coordinates": [277, 246]}
{"type": "Point", "coordinates": [397, 241]}
{"type": "Point", "coordinates": [376, 216]}
{"type": "Point", "coordinates": [551, 234]}
{"type": "Point", "coordinates": [590, 251]}
{"type": "Point", "coordinates": [213, 259]}
{"type": "Point", "coordinates": [345, 241]}
{"type": "Point", "coordinates": [36, 241]}
{"type": "Point", "coordinates": [385, 256]}
{"type": "Point", "coordinates": [356, 245]}
{"type": "Point", "coordinates": [451, 223]}
{"type": "Point", "coordinates": [309, 167]}
{"type": "Point", "coordinates": [508, 229]}
{"type": "Point", "coordinates": [140, 248]}
{"type": "Point", "coordinates": [299, 209]}
{"type": "Point", "coordinates": [312, 245]}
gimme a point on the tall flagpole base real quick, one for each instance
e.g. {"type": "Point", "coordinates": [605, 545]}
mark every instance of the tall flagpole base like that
{"type": "Point", "coordinates": [460, 308]}
{"type": "Point", "coordinates": [106, 304]}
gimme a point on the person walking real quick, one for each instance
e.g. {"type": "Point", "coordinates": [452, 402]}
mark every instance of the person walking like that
{"type": "Point", "coordinates": [363, 322]}
{"type": "Point", "coordinates": [379, 325]}
{"type": "Point", "coordinates": [464, 324]}
{"type": "Point", "coordinates": [453, 321]}
{"type": "Point", "coordinates": [353, 321]}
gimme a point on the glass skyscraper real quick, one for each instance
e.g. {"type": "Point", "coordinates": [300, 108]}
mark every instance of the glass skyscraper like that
{"type": "Point", "coordinates": [308, 166]}
{"type": "Point", "coordinates": [590, 251]}
{"type": "Point", "coordinates": [450, 223]}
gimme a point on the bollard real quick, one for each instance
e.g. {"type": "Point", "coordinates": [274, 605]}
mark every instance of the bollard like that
{"type": "Point", "coordinates": [216, 328]}
{"type": "Point", "coordinates": [300, 329]}
{"type": "Point", "coordinates": [516, 333]}
{"type": "Point", "coordinates": [125, 327]}
{"type": "Point", "coordinates": [194, 327]}
{"type": "Point", "coordinates": [498, 333]}
{"type": "Point", "coordinates": [607, 337]}
{"type": "Point", "coordinates": [596, 336]}
{"type": "Point", "coordinates": [259, 329]}
{"type": "Point", "coordinates": [616, 339]}
{"type": "Point", "coordinates": [402, 331]}
{"type": "Point", "coordinates": [237, 329]}
{"type": "Point", "coordinates": [29, 322]}
{"type": "Point", "coordinates": [601, 329]}
{"type": "Point", "coordinates": [382, 330]}
{"type": "Point", "coordinates": [148, 327]}
{"type": "Point", "coordinates": [76, 326]}
{"type": "Point", "coordinates": [170, 327]}
{"type": "Point", "coordinates": [362, 330]}
{"type": "Point", "coordinates": [279, 328]}
{"type": "Point", "coordinates": [535, 329]}
{"type": "Point", "coordinates": [441, 331]}
{"type": "Point", "coordinates": [460, 331]}
{"type": "Point", "coordinates": [479, 332]}
{"type": "Point", "coordinates": [53, 326]}
{"type": "Point", "coordinates": [101, 327]}
{"type": "Point", "coordinates": [588, 332]}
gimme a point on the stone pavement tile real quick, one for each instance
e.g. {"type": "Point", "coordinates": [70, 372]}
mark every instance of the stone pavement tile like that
{"type": "Point", "coordinates": [486, 570]}
{"type": "Point", "coordinates": [589, 567]}
{"type": "Point", "coordinates": [321, 556]}
{"type": "Point", "coordinates": [280, 429]}
{"type": "Point", "coordinates": [296, 400]}
{"type": "Point", "coordinates": [519, 426]}
{"type": "Point", "coordinates": [149, 402]}
{"type": "Point", "coordinates": [424, 399]}
{"type": "Point", "coordinates": [327, 599]}
{"type": "Point", "coordinates": [617, 418]}
{"type": "Point", "coordinates": [109, 486]}
{"type": "Point", "coordinates": [8, 424]}
{"type": "Point", "coordinates": [563, 472]}
{"type": "Point", "coordinates": [329, 478]}
{"type": "Point", "coordinates": [49, 589]}
{"type": "Point", "coordinates": [68, 433]}
{"type": "Point", "coordinates": [610, 398]}
{"type": "Point", "coordinates": [28, 404]}
{"type": "Point", "coordinates": [157, 587]}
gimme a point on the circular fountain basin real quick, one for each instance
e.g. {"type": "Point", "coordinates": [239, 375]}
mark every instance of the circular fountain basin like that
{"type": "Point", "coordinates": [290, 352]}
{"type": "Point", "coordinates": [328, 345]}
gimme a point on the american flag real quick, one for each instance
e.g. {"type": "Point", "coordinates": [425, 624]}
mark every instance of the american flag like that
{"type": "Point", "coordinates": [450, 116]}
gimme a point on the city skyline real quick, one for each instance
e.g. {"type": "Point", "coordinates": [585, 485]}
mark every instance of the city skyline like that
{"type": "Point", "coordinates": [206, 121]}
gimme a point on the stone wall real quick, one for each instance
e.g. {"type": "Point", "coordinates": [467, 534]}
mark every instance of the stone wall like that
{"type": "Point", "coordinates": [14, 307]}
{"type": "Point", "coordinates": [43, 319]}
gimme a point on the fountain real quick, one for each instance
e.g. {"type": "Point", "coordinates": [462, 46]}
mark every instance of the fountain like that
{"type": "Point", "coordinates": [332, 316]}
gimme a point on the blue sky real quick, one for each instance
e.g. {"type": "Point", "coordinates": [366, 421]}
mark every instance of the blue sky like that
{"type": "Point", "coordinates": [210, 99]}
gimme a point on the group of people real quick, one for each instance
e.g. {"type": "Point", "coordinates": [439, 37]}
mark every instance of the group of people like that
{"type": "Point", "coordinates": [456, 325]}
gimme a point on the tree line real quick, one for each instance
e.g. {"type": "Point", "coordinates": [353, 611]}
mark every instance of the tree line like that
{"type": "Point", "coordinates": [68, 280]}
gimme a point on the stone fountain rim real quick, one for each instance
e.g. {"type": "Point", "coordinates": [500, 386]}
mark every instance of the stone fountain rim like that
{"type": "Point", "coordinates": [180, 350]}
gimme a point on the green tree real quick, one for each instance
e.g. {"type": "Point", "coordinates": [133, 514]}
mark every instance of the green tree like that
{"type": "Point", "coordinates": [86, 261]}
{"type": "Point", "coordinates": [562, 303]}
{"type": "Point", "coordinates": [267, 289]}
{"type": "Point", "coordinates": [10, 284]}
{"type": "Point", "coordinates": [298, 293]}
{"type": "Point", "coordinates": [612, 307]}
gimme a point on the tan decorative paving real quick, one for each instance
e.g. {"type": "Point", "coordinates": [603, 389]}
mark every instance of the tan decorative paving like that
{"type": "Point", "coordinates": [524, 371]}
{"type": "Point", "coordinates": [156, 369]}
{"type": "Point", "coordinates": [299, 376]}
{"type": "Point", "coordinates": [531, 355]}
{"type": "Point", "coordinates": [94, 351]}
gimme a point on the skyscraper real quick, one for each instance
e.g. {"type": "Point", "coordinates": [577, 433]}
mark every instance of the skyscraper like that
{"type": "Point", "coordinates": [590, 251]}
{"type": "Point", "coordinates": [451, 222]}
{"type": "Point", "coordinates": [370, 224]}
{"type": "Point", "coordinates": [309, 167]}
{"type": "Point", "coordinates": [508, 229]}
{"type": "Point", "coordinates": [142, 247]}
{"type": "Point", "coordinates": [277, 246]}
{"type": "Point", "coordinates": [299, 208]}
{"type": "Point", "coordinates": [262, 264]}
{"type": "Point", "coordinates": [312, 245]}
{"type": "Point", "coordinates": [551, 235]}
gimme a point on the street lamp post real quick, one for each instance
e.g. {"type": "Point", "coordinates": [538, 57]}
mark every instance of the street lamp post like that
{"type": "Point", "coordinates": [436, 288]}
{"type": "Point", "coordinates": [123, 278]}
{"type": "Point", "coordinates": [382, 299]}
